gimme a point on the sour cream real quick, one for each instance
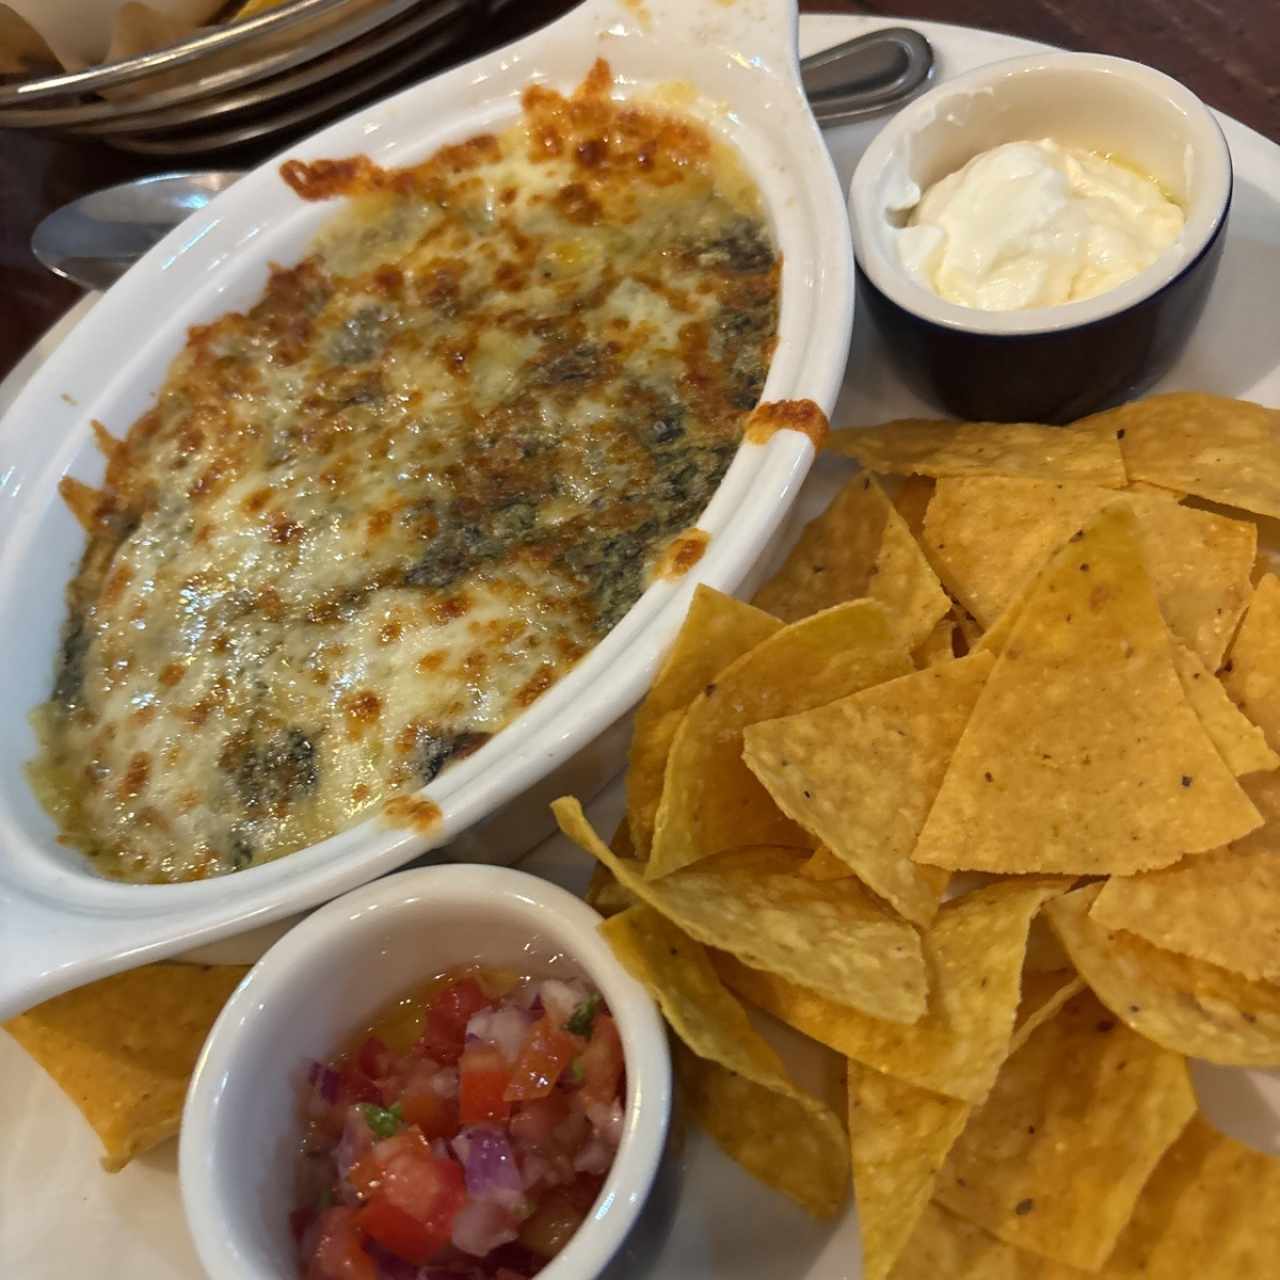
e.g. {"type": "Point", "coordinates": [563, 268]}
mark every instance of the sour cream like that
{"type": "Point", "coordinates": [1035, 224]}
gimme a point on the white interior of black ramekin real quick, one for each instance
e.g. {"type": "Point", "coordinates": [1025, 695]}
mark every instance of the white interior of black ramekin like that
{"type": "Point", "coordinates": [1105, 104]}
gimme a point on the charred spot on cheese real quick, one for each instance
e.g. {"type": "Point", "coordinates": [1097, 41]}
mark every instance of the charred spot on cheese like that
{"type": "Point", "coordinates": [373, 517]}
{"type": "Point", "coordinates": [682, 553]}
{"type": "Point", "coordinates": [767, 420]}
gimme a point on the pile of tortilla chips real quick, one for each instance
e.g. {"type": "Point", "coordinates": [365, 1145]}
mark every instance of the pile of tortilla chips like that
{"type": "Point", "coordinates": [1050, 656]}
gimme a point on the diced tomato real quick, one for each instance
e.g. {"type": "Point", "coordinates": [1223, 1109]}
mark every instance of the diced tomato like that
{"type": "Point", "coordinates": [355, 1086]}
{"type": "Point", "coordinates": [546, 1053]}
{"type": "Point", "coordinates": [399, 1232]}
{"type": "Point", "coordinates": [365, 1176]}
{"type": "Point", "coordinates": [374, 1058]}
{"type": "Point", "coordinates": [602, 1061]}
{"type": "Point", "coordinates": [483, 1076]}
{"type": "Point", "coordinates": [444, 1029]}
{"type": "Point", "coordinates": [339, 1252]}
{"type": "Point", "coordinates": [415, 1200]}
{"type": "Point", "coordinates": [422, 1105]}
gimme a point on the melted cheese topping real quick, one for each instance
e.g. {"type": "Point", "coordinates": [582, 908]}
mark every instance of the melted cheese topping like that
{"type": "Point", "coordinates": [374, 517]}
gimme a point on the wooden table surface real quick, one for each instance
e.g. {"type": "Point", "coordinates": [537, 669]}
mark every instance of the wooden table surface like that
{"type": "Point", "coordinates": [1224, 50]}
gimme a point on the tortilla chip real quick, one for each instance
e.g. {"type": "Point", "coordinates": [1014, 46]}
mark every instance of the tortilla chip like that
{"type": "Point", "coordinates": [860, 546]}
{"type": "Point", "coordinates": [1217, 448]}
{"type": "Point", "coordinates": [973, 956]}
{"type": "Point", "coordinates": [1252, 677]}
{"type": "Point", "coordinates": [899, 1137]}
{"type": "Point", "coordinates": [711, 801]}
{"type": "Point", "coordinates": [831, 937]}
{"type": "Point", "coordinates": [915, 447]}
{"type": "Point", "coordinates": [861, 773]}
{"type": "Point", "coordinates": [1241, 743]}
{"type": "Point", "coordinates": [822, 864]}
{"type": "Point", "coordinates": [1054, 1161]}
{"type": "Point", "coordinates": [716, 630]}
{"type": "Point", "coordinates": [1043, 994]}
{"type": "Point", "coordinates": [989, 536]}
{"type": "Point", "coordinates": [1223, 907]}
{"type": "Point", "coordinates": [604, 893]}
{"type": "Point", "coordinates": [776, 1137]}
{"type": "Point", "coordinates": [1083, 755]}
{"type": "Point", "coordinates": [945, 1247]}
{"type": "Point", "coordinates": [1209, 1211]}
{"type": "Point", "coordinates": [1189, 1006]}
{"type": "Point", "coordinates": [123, 1049]}
{"type": "Point", "coordinates": [779, 1133]}
{"type": "Point", "coordinates": [938, 646]}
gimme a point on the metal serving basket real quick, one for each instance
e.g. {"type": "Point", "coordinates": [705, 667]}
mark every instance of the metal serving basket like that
{"type": "Point", "coordinates": [247, 80]}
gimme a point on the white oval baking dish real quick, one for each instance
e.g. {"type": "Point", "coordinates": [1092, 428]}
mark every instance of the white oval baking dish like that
{"type": "Point", "coordinates": [60, 923]}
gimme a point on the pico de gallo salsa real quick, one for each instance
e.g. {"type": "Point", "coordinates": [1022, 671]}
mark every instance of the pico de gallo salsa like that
{"type": "Point", "coordinates": [465, 1135]}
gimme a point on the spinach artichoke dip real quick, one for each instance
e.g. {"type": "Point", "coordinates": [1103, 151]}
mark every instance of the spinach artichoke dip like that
{"type": "Point", "coordinates": [372, 518]}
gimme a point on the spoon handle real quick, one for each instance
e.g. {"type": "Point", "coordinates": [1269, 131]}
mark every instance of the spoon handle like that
{"type": "Point", "coordinates": [866, 75]}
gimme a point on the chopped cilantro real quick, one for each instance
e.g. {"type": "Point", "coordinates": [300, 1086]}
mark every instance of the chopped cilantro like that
{"type": "Point", "coordinates": [384, 1121]}
{"type": "Point", "coordinates": [577, 1073]}
{"type": "Point", "coordinates": [584, 1015]}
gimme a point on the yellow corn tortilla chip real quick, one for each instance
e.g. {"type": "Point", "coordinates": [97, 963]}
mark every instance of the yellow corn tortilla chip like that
{"type": "Point", "coordinates": [1083, 755]}
{"type": "Point", "coordinates": [938, 646]}
{"type": "Point", "coordinates": [1252, 676]}
{"type": "Point", "coordinates": [861, 773]}
{"type": "Point", "coordinates": [899, 1137]}
{"type": "Point", "coordinates": [1186, 1005]}
{"type": "Point", "coordinates": [1209, 1212]}
{"type": "Point", "coordinates": [860, 546]}
{"type": "Point", "coordinates": [776, 1131]}
{"type": "Point", "coordinates": [914, 447]}
{"type": "Point", "coordinates": [973, 957]}
{"type": "Point", "coordinates": [945, 1247]}
{"type": "Point", "coordinates": [716, 630]}
{"type": "Point", "coordinates": [1043, 994]}
{"type": "Point", "coordinates": [711, 801]}
{"type": "Point", "coordinates": [1223, 907]}
{"type": "Point", "coordinates": [1054, 1160]}
{"type": "Point", "coordinates": [123, 1049]}
{"type": "Point", "coordinates": [989, 536]}
{"type": "Point", "coordinates": [776, 1137]}
{"type": "Point", "coordinates": [1242, 744]}
{"type": "Point", "coordinates": [1217, 448]}
{"type": "Point", "coordinates": [824, 865]}
{"type": "Point", "coordinates": [832, 937]}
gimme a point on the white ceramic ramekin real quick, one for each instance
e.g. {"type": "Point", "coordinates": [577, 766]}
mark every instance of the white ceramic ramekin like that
{"type": "Point", "coordinates": [1043, 364]}
{"type": "Point", "coordinates": [737, 66]}
{"type": "Point", "coordinates": [324, 980]}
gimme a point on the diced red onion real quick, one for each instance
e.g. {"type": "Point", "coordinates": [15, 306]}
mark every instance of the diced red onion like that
{"type": "Point", "coordinates": [325, 1080]}
{"type": "Point", "coordinates": [490, 1166]}
{"type": "Point", "coordinates": [480, 1226]}
{"type": "Point", "coordinates": [595, 1157]}
{"type": "Point", "coordinates": [561, 998]}
{"type": "Point", "coordinates": [534, 1169]}
{"type": "Point", "coordinates": [606, 1119]}
{"type": "Point", "coordinates": [356, 1141]}
{"type": "Point", "coordinates": [506, 1027]}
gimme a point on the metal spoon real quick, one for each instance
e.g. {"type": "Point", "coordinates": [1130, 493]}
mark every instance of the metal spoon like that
{"type": "Point", "coordinates": [94, 240]}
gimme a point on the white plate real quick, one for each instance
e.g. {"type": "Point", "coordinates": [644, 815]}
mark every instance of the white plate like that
{"type": "Point", "coordinates": [61, 1217]}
